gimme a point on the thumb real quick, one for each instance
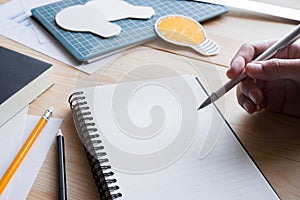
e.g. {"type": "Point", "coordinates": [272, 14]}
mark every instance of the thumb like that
{"type": "Point", "coordinates": [274, 69]}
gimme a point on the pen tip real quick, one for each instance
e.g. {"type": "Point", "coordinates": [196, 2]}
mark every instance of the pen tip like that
{"type": "Point", "coordinates": [200, 107]}
{"type": "Point", "coordinates": [205, 103]}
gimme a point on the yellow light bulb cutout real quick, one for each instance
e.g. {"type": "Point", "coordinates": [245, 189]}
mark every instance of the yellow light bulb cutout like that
{"type": "Point", "coordinates": [185, 31]}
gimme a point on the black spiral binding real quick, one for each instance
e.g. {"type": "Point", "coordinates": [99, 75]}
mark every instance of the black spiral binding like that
{"type": "Point", "coordinates": [88, 133]}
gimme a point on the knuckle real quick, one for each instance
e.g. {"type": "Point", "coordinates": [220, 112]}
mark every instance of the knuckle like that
{"type": "Point", "coordinates": [247, 45]}
{"type": "Point", "coordinates": [273, 67]}
{"type": "Point", "coordinates": [275, 63]}
{"type": "Point", "coordinates": [247, 52]}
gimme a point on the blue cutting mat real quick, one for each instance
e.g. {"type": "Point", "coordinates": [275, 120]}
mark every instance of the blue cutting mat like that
{"type": "Point", "coordinates": [86, 46]}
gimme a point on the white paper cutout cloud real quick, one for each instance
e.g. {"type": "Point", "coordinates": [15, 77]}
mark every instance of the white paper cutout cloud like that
{"type": "Point", "coordinates": [95, 15]}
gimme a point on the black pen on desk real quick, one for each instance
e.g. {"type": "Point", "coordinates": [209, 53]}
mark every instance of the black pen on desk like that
{"type": "Point", "coordinates": [62, 186]}
{"type": "Point", "coordinates": [289, 38]}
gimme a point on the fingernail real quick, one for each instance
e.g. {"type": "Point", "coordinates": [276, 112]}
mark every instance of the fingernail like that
{"type": "Point", "coordinates": [259, 108]}
{"type": "Point", "coordinates": [234, 65]}
{"type": "Point", "coordinates": [254, 68]}
{"type": "Point", "coordinates": [253, 96]}
{"type": "Point", "coordinates": [230, 72]}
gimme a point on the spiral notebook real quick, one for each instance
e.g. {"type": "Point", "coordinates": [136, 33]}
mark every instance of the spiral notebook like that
{"type": "Point", "coordinates": [146, 140]}
{"type": "Point", "coordinates": [89, 47]}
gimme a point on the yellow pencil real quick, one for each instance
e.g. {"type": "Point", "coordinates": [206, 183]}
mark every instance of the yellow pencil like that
{"type": "Point", "coordinates": [24, 150]}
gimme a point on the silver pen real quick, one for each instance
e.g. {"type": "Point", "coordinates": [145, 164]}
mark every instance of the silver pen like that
{"type": "Point", "coordinates": [277, 46]}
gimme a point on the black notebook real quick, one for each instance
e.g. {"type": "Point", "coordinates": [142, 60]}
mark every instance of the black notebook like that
{"type": "Point", "coordinates": [23, 79]}
{"type": "Point", "coordinates": [146, 140]}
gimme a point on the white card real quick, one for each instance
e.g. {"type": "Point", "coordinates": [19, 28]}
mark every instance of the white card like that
{"type": "Point", "coordinates": [95, 16]}
{"type": "Point", "coordinates": [86, 19]}
{"type": "Point", "coordinates": [118, 9]}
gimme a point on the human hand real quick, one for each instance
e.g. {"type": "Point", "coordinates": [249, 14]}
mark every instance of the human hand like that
{"type": "Point", "coordinates": [273, 84]}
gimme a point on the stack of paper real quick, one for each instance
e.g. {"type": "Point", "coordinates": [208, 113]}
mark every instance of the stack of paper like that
{"type": "Point", "coordinates": [14, 16]}
{"type": "Point", "coordinates": [13, 134]}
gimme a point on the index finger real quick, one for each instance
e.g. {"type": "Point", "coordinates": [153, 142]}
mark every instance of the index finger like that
{"type": "Point", "coordinates": [244, 55]}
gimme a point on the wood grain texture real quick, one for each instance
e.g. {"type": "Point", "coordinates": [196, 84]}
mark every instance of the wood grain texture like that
{"type": "Point", "coordinates": [272, 140]}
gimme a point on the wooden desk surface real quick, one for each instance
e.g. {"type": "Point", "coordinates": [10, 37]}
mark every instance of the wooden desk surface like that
{"type": "Point", "coordinates": [272, 140]}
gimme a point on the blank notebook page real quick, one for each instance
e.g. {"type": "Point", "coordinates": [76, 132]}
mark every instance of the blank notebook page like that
{"type": "Point", "coordinates": [180, 160]}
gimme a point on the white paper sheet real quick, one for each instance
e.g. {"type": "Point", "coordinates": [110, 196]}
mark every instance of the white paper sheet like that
{"type": "Point", "coordinates": [154, 137]}
{"type": "Point", "coordinates": [260, 7]}
{"type": "Point", "coordinates": [18, 27]}
{"type": "Point", "coordinates": [10, 134]}
{"type": "Point", "coordinates": [27, 6]}
{"type": "Point", "coordinates": [21, 183]}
